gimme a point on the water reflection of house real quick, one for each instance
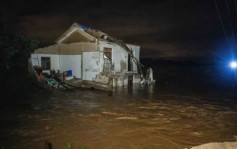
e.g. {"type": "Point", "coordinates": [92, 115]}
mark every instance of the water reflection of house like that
{"type": "Point", "coordinates": [91, 55]}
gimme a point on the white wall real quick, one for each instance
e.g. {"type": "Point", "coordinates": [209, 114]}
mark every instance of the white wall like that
{"type": "Point", "coordinates": [54, 60]}
{"type": "Point", "coordinates": [92, 61]}
{"type": "Point", "coordinates": [60, 62]}
{"type": "Point", "coordinates": [71, 62]}
{"type": "Point", "coordinates": [135, 49]}
{"type": "Point", "coordinates": [120, 59]}
{"type": "Point", "coordinates": [91, 65]}
{"type": "Point", "coordinates": [35, 60]}
{"type": "Point", "coordinates": [136, 53]}
{"type": "Point", "coordinates": [119, 55]}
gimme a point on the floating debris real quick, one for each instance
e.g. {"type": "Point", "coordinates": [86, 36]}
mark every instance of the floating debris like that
{"type": "Point", "coordinates": [127, 118]}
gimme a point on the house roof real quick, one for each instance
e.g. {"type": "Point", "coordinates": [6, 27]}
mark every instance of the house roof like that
{"type": "Point", "coordinates": [78, 32]}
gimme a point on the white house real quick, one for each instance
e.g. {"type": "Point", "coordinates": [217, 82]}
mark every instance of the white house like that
{"type": "Point", "coordinates": [91, 55]}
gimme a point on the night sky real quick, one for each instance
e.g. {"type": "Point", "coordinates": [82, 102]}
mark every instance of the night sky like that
{"type": "Point", "coordinates": [163, 28]}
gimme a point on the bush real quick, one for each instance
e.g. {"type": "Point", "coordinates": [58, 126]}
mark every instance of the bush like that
{"type": "Point", "coordinates": [15, 52]}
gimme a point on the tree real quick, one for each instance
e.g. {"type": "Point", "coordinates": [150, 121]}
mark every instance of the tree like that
{"type": "Point", "coordinates": [15, 51]}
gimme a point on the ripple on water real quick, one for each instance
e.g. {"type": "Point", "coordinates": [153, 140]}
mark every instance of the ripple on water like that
{"type": "Point", "coordinates": [101, 121]}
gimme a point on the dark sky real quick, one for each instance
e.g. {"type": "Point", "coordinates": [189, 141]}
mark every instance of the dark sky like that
{"type": "Point", "coordinates": [163, 28]}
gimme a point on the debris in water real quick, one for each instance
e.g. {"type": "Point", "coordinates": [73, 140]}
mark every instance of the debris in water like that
{"type": "Point", "coordinates": [111, 113]}
{"type": "Point", "coordinates": [127, 118]}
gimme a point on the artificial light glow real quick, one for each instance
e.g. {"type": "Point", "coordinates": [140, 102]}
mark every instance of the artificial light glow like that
{"type": "Point", "coordinates": [233, 64]}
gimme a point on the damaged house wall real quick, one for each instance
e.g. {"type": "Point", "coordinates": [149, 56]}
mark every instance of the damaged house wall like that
{"type": "Point", "coordinates": [64, 57]}
{"type": "Point", "coordinates": [89, 53]}
{"type": "Point", "coordinates": [136, 52]}
{"type": "Point", "coordinates": [54, 60]}
{"type": "Point", "coordinates": [120, 62]}
{"type": "Point", "coordinates": [120, 56]}
{"type": "Point", "coordinates": [77, 48]}
{"type": "Point", "coordinates": [91, 65]}
{"type": "Point", "coordinates": [71, 62]}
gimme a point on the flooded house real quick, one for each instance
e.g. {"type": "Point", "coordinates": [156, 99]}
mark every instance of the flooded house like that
{"type": "Point", "coordinates": [91, 55]}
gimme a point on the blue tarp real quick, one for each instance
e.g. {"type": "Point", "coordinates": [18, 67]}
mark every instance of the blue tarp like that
{"type": "Point", "coordinates": [85, 28]}
{"type": "Point", "coordinates": [69, 73]}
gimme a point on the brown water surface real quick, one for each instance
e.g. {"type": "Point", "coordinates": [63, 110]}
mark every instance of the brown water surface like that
{"type": "Point", "coordinates": [135, 118]}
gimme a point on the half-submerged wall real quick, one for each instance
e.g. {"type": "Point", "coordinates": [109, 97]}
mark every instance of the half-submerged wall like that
{"type": "Point", "coordinates": [119, 56]}
{"type": "Point", "coordinates": [64, 57]}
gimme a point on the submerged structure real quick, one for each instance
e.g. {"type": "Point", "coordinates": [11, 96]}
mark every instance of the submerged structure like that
{"type": "Point", "coordinates": [89, 55]}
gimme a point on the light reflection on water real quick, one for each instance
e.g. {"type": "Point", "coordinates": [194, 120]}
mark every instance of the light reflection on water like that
{"type": "Point", "coordinates": [136, 117]}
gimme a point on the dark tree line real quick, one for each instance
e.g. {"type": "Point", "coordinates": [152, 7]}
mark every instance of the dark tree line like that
{"type": "Point", "coordinates": [15, 49]}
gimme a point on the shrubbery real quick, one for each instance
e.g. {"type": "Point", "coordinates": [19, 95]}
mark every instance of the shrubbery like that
{"type": "Point", "coordinates": [15, 52]}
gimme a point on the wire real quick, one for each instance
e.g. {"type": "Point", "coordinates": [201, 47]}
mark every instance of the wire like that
{"type": "Point", "coordinates": [231, 25]}
{"type": "Point", "coordinates": [236, 7]}
{"type": "Point", "coordinates": [221, 21]}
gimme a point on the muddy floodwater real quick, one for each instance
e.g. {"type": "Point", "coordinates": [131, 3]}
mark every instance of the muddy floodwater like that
{"type": "Point", "coordinates": [139, 117]}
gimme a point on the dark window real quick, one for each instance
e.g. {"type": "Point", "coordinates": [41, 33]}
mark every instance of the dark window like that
{"type": "Point", "coordinates": [45, 63]}
{"type": "Point", "coordinates": [108, 53]}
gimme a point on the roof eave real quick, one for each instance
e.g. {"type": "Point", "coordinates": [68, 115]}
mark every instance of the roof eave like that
{"type": "Point", "coordinates": [72, 29]}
